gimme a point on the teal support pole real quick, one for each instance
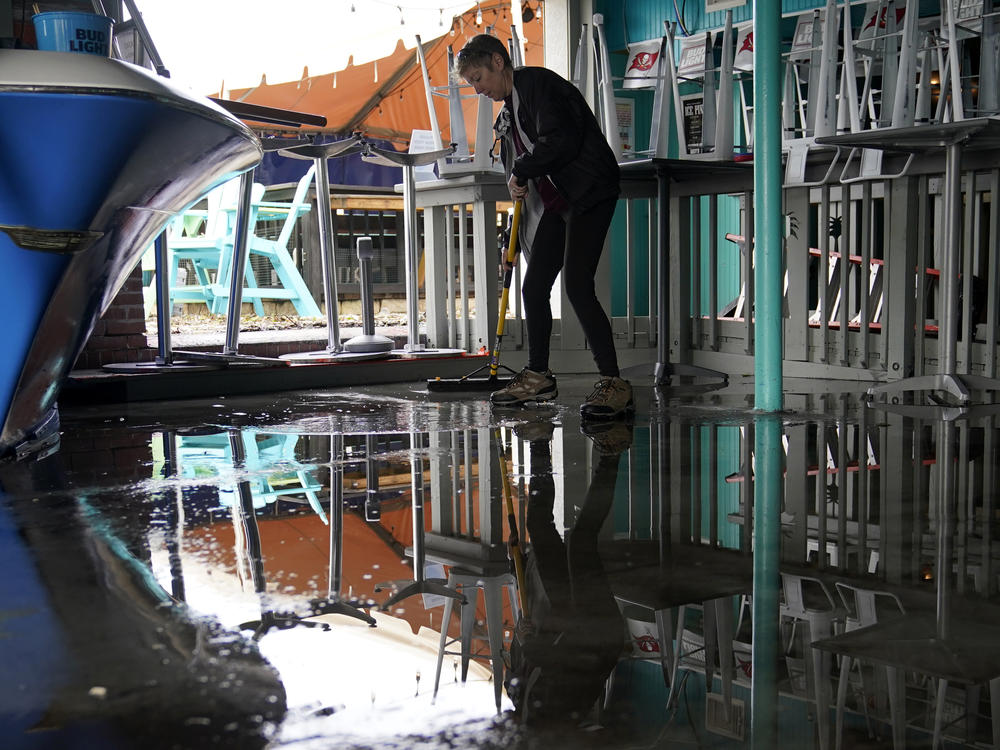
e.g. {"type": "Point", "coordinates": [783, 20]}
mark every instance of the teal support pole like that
{"type": "Point", "coordinates": [769, 229]}
{"type": "Point", "coordinates": [768, 478]}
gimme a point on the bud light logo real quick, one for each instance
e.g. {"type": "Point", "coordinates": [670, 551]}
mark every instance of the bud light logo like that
{"type": "Point", "coordinates": [92, 41]}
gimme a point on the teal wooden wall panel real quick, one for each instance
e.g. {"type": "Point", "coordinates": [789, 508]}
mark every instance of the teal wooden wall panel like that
{"type": "Point", "coordinates": [628, 21]}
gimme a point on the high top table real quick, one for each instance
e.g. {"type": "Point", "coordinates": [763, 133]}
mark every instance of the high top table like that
{"type": "Point", "coordinates": [952, 137]}
{"type": "Point", "coordinates": [693, 177]}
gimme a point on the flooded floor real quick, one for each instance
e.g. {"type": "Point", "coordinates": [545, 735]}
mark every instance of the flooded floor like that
{"type": "Point", "coordinates": [278, 572]}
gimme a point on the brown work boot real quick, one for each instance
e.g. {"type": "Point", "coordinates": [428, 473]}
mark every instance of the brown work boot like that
{"type": "Point", "coordinates": [611, 397]}
{"type": "Point", "coordinates": [535, 430]}
{"type": "Point", "coordinates": [610, 437]}
{"type": "Point", "coordinates": [527, 385]}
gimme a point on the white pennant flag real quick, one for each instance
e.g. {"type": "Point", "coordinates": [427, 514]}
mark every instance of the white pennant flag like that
{"type": "Point", "coordinates": [643, 64]}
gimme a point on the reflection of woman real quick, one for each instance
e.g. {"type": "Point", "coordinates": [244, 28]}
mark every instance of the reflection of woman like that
{"type": "Point", "coordinates": [572, 638]}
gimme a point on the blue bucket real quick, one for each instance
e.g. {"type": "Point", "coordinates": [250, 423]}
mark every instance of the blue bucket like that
{"type": "Point", "coordinates": [60, 31]}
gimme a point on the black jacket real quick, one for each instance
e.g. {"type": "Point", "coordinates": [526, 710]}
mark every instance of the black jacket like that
{"type": "Point", "coordinates": [569, 146]}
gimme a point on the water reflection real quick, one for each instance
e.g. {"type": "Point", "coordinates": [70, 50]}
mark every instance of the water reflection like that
{"type": "Point", "coordinates": [569, 637]}
{"type": "Point", "coordinates": [358, 585]}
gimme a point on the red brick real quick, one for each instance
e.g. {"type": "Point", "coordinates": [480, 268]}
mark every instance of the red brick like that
{"type": "Point", "coordinates": [124, 327]}
{"type": "Point", "coordinates": [100, 343]}
{"type": "Point", "coordinates": [128, 295]}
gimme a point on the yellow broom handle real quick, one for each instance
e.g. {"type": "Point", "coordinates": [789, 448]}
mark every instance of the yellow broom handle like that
{"type": "Point", "coordinates": [514, 539]}
{"type": "Point", "coordinates": [508, 272]}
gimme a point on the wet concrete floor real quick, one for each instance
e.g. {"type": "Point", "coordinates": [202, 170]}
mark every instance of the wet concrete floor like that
{"type": "Point", "coordinates": [277, 572]}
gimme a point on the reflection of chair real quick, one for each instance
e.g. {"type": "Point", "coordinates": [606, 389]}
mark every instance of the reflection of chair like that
{"type": "Point", "coordinates": [681, 646]}
{"type": "Point", "coordinates": [867, 607]}
{"type": "Point", "coordinates": [271, 456]}
{"type": "Point", "coordinates": [492, 586]}
{"type": "Point", "coordinates": [648, 635]}
{"type": "Point", "coordinates": [809, 603]}
{"type": "Point", "coordinates": [862, 608]}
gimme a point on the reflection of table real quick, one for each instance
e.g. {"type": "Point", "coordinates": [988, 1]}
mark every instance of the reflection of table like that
{"type": "Point", "coordinates": [693, 177]}
{"type": "Point", "coordinates": [697, 576]}
{"type": "Point", "coordinates": [980, 133]}
{"type": "Point", "coordinates": [969, 655]}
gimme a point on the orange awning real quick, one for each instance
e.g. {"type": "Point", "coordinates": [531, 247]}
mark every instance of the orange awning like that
{"type": "Point", "coordinates": [385, 98]}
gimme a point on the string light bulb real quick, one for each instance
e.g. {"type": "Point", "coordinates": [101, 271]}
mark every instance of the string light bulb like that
{"type": "Point", "coordinates": [441, 17]}
{"type": "Point", "coordinates": [402, 21]}
{"type": "Point", "coordinates": [538, 10]}
{"type": "Point", "coordinates": [479, 15]}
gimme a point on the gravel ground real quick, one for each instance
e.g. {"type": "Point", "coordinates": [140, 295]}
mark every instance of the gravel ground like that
{"type": "Point", "coordinates": [205, 323]}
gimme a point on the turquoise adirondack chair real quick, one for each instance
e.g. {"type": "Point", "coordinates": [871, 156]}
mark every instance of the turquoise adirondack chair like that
{"type": "Point", "coordinates": [293, 287]}
{"type": "Point", "coordinates": [206, 251]}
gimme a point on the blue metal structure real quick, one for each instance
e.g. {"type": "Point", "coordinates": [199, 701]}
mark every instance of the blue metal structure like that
{"type": "Point", "coordinates": [96, 156]}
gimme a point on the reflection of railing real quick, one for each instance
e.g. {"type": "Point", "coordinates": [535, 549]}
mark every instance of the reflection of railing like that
{"type": "Point", "coordinates": [860, 494]}
{"type": "Point", "coordinates": [900, 506]}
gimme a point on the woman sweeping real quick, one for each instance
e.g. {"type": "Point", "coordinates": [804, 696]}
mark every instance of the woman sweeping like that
{"type": "Point", "coordinates": [558, 161]}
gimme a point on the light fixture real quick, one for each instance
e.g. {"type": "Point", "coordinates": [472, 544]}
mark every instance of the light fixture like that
{"type": "Point", "coordinates": [538, 11]}
{"type": "Point", "coordinates": [479, 15]}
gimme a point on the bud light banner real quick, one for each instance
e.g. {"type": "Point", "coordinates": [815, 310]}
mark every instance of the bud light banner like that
{"type": "Point", "coordinates": [643, 66]}
{"type": "Point", "coordinates": [691, 65]}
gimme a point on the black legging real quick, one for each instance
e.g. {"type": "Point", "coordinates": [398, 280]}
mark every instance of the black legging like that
{"type": "Point", "coordinates": [575, 253]}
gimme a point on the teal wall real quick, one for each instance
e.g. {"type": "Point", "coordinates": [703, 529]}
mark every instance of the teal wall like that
{"type": "Point", "coordinates": [728, 456]}
{"type": "Point", "coordinates": [643, 20]}
{"type": "Point", "coordinates": [636, 519]}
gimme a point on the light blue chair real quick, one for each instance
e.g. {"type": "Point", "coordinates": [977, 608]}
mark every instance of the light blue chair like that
{"type": "Point", "coordinates": [293, 288]}
{"type": "Point", "coordinates": [204, 251]}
